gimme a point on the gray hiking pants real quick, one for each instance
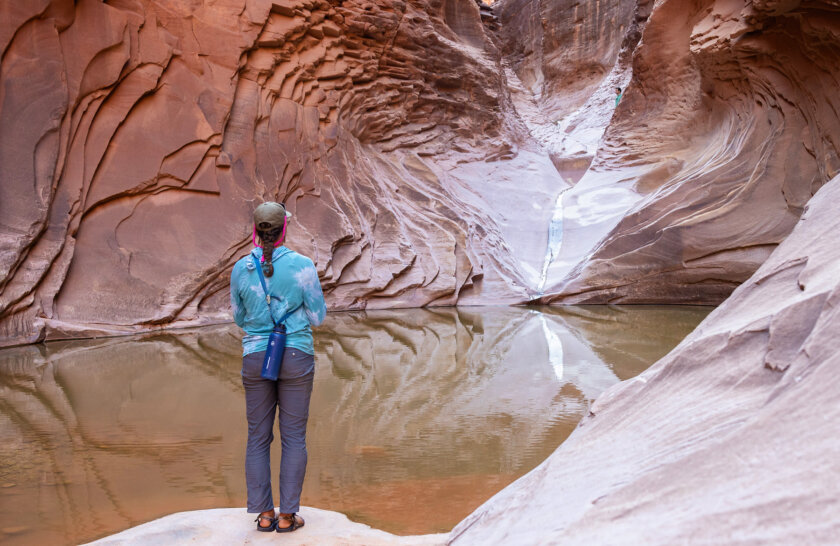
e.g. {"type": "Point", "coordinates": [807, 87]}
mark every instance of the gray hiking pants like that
{"type": "Point", "coordinates": [290, 393]}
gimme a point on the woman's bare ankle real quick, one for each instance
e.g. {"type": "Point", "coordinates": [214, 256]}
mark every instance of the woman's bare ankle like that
{"type": "Point", "coordinates": [285, 520]}
{"type": "Point", "coordinates": [266, 514]}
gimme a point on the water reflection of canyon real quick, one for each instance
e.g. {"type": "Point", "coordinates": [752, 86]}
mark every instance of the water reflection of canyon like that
{"type": "Point", "coordinates": [418, 416]}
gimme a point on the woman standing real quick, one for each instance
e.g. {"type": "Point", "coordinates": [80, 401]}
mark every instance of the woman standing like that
{"type": "Point", "coordinates": [294, 292]}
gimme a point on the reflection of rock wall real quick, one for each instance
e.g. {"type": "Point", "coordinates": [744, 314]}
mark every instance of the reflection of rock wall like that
{"type": "Point", "coordinates": [101, 435]}
{"type": "Point", "coordinates": [446, 406]}
{"type": "Point", "coordinates": [731, 437]}
{"type": "Point", "coordinates": [630, 336]}
{"type": "Point", "coordinates": [441, 404]}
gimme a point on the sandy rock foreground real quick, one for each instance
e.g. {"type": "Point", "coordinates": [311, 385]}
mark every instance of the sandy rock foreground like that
{"type": "Point", "coordinates": [230, 526]}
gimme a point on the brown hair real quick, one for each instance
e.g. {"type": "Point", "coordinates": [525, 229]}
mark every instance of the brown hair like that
{"type": "Point", "coordinates": [267, 239]}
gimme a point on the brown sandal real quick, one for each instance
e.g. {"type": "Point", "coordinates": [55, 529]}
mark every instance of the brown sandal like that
{"type": "Point", "coordinates": [293, 523]}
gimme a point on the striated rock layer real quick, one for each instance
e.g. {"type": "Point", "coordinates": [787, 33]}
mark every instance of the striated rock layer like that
{"type": "Point", "coordinates": [136, 136]}
{"type": "Point", "coordinates": [434, 152]}
{"type": "Point", "coordinates": [728, 126]}
{"type": "Point", "coordinates": [730, 439]}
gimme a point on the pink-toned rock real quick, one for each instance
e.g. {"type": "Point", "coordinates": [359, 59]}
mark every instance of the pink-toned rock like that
{"type": "Point", "coordinates": [731, 438]}
{"type": "Point", "coordinates": [434, 152]}
{"type": "Point", "coordinates": [136, 138]}
{"type": "Point", "coordinates": [724, 132]}
{"type": "Point", "coordinates": [226, 526]}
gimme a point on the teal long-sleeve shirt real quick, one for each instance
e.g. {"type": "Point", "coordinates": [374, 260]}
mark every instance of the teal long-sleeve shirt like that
{"type": "Point", "coordinates": [294, 284]}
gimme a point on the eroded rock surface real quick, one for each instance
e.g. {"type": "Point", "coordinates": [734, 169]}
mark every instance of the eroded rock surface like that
{"type": "Point", "coordinates": [434, 152]}
{"type": "Point", "coordinates": [731, 438]}
{"type": "Point", "coordinates": [728, 126]}
{"type": "Point", "coordinates": [137, 136]}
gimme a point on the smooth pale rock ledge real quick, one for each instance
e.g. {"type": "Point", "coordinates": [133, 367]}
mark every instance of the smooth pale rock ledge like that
{"type": "Point", "coordinates": [229, 526]}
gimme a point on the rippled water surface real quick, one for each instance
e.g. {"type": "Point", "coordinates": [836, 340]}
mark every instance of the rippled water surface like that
{"type": "Point", "coordinates": [417, 417]}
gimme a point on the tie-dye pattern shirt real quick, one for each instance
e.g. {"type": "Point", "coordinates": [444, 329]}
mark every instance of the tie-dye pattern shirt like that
{"type": "Point", "coordinates": [294, 282]}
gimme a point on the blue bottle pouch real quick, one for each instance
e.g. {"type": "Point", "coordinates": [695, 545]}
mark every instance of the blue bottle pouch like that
{"type": "Point", "coordinates": [277, 340]}
{"type": "Point", "coordinates": [274, 353]}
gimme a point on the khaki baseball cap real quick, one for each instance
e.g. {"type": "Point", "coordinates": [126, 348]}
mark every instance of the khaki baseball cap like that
{"type": "Point", "coordinates": [270, 215]}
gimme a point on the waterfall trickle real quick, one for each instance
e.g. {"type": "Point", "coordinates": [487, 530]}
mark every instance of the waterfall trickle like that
{"type": "Point", "coordinates": [555, 240]}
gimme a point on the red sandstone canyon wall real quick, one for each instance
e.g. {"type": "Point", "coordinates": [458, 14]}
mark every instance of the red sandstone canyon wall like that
{"type": "Point", "coordinates": [433, 152]}
{"type": "Point", "coordinates": [137, 136]}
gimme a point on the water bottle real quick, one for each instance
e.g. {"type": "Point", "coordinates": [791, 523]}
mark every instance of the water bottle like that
{"type": "Point", "coordinates": [274, 353]}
